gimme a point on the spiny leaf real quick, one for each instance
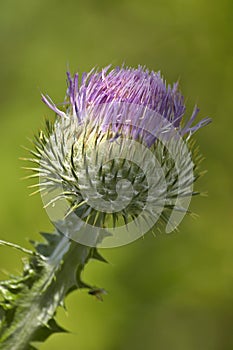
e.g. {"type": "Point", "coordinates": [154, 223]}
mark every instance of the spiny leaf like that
{"type": "Point", "coordinates": [29, 302]}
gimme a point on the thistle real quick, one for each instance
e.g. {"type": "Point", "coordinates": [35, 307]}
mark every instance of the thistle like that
{"type": "Point", "coordinates": [118, 161]}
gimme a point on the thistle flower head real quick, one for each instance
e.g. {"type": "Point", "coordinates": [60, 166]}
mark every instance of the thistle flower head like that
{"type": "Point", "coordinates": [126, 86]}
{"type": "Point", "coordinates": [116, 160]}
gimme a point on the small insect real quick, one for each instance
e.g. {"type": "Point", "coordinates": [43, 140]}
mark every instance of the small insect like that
{"type": "Point", "coordinates": [98, 293]}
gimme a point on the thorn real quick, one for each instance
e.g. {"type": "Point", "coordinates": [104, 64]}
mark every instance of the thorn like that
{"type": "Point", "coordinates": [18, 247]}
{"type": "Point", "coordinates": [97, 256]}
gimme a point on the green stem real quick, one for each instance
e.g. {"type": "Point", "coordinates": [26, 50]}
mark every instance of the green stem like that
{"type": "Point", "coordinates": [59, 274]}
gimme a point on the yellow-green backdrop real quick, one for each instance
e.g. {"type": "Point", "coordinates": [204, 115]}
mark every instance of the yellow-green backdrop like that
{"type": "Point", "coordinates": [166, 292]}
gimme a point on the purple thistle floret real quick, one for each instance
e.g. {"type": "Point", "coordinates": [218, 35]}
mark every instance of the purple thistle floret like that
{"type": "Point", "coordinates": [123, 87]}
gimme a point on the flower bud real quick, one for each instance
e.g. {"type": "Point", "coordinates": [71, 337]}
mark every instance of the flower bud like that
{"type": "Point", "coordinates": [117, 160]}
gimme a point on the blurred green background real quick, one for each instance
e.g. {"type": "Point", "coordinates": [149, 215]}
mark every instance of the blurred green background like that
{"type": "Point", "coordinates": [166, 292]}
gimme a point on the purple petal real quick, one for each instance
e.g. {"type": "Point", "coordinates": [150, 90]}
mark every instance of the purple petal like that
{"type": "Point", "coordinates": [52, 106]}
